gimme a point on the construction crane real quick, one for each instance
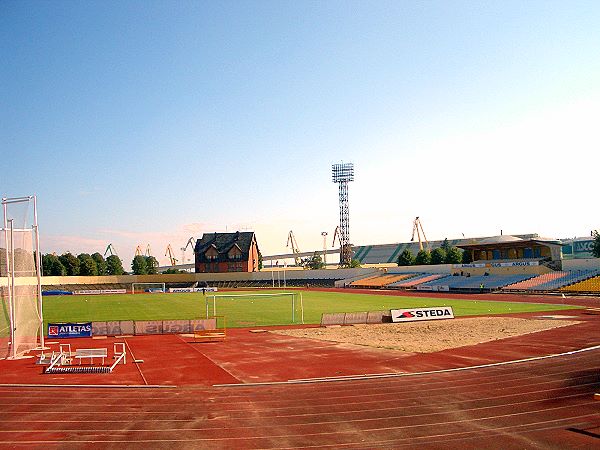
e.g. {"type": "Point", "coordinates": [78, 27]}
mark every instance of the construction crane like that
{"type": "Point", "coordinates": [324, 234]}
{"type": "Point", "coordinates": [169, 253]}
{"type": "Point", "coordinates": [138, 251]}
{"type": "Point", "coordinates": [418, 229]}
{"type": "Point", "coordinates": [191, 241]}
{"type": "Point", "coordinates": [110, 249]}
{"type": "Point", "coordinates": [295, 250]}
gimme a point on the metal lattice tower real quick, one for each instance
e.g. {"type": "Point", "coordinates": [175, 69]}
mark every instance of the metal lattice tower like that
{"type": "Point", "coordinates": [343, 174]}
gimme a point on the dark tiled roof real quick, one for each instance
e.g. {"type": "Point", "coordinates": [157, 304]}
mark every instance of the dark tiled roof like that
{"type": "Point", "coordinates": [223, 243]}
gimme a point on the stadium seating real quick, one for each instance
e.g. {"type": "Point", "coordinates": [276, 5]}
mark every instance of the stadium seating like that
{"type": "Point", "coordinates": [554, 280]}
{"type": "Point", "coordinates": [591, 285]}
{"type": "Point", "coordinates": [380, 281]}
{"type": "Point", "coordinates": [415, 280]}
{"type": "Point", "coordinates": [475, 282]}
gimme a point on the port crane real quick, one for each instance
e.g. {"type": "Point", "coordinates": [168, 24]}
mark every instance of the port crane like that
{"type": "Point", "coordinates": [418, 229]}
{"type": "Point", "coordinates": [110, 249]}
{"type": "Point", "coordinates": [191, 241]}
{"type": "Point", "coordinates": [169, 253]}
{"type": "Point", "coordinates": [294, 244]}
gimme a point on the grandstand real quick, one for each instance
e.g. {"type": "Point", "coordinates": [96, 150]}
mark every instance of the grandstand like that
{"type": "Point", "coordinates": [380, 281]}
{"type": "Point", "coordinates": [590, 285]}
{"type": "Point", "coordinates": [489, 282]}
{"type": "Point", "coordinates": [554, 280]}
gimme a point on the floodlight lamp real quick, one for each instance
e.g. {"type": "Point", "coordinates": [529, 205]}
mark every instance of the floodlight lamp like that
{"type": "Point", "coordinates": [343, 172]}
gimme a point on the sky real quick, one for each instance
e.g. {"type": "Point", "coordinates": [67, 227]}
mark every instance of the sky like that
{"type": "Point", "coordinates": [150, 122]}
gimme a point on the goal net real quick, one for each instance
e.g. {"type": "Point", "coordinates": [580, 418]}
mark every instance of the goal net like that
{"type": "Point", "coordinates": [149, 288]}
{"type": "Point", "coordinates": [21, 319]}
{"type": "Point", "coordinates": [251, 309]}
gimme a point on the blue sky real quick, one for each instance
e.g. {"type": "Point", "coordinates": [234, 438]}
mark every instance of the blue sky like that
{"type": "Point", "coordinates": [150, 122]}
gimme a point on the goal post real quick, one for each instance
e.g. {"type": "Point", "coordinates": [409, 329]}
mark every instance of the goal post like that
{"type": "Point", "coordinates": [280, 308]}
{"type": "Point", "coordinates": [152, 288]}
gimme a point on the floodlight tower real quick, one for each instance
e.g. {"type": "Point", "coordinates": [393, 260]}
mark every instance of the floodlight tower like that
{"type": "Point", "coordinates": [343, 174]}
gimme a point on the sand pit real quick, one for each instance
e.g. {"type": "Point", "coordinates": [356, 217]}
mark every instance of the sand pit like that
{"type": "Point", "coordinates": [430, 336]}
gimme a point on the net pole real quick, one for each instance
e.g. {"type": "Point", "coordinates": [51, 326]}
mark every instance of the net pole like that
{"type": "Point", "coordinates": [38, 262]}
{"type": "Point", "coordinates": [293, 308]}
{"type": "Point", "coordinates": [11, 300]}
{"type": "Point", "coordinates": [302, 307]}
{"type": "Point", "coordinates": [9, 282]}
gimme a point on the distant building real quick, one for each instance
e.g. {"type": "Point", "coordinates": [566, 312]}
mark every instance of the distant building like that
{"type": "Point", "coordinates": [226, 252]}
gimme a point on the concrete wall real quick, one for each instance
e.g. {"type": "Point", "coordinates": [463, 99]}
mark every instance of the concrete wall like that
{"type": "Point", "coordinates": [581, 264]}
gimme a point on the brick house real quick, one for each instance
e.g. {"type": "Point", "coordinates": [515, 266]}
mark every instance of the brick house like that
{"type": "Point", "coordinates": [226, 252]}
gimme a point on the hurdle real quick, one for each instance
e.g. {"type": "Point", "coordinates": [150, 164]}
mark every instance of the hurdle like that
{"type": "Point", "coordinates": [61, 362]}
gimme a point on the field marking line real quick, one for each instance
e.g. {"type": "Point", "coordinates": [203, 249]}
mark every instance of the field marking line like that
{"type": "Point", "coordinates": [134, 361]}
{"type": "Point", "coordinates": [409, 374]}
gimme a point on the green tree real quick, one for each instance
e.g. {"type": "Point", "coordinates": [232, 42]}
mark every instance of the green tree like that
{"type": "Point", "coordinates": [313, 263]}
{"type": "Point", "coordinates": [354, 263]}
{"type": "Point", "coordinates": [438, 255]}
{"type": "Point", "coordinates": [406, 258]}
{"type": "Point", "coordinates": [454, 255]}
{"type": "Point", "coordinates": [467, 257]}
{"type": "Point", "coordinates": [52, 266]}
{"type": "Point", "coordinates": [100, 263]}
{"type": "Point", "coordinates": [260, 260]}
{"type": "Point", "coordinates": [446, 245]}
{"type": "Point", "coordinates": [151, 265]}
{"type": "Point", "coordinates": [87, 265]}
{"type": "Point", "coordinates": [114, 265]}
{"type": "Point", "coordinates": [423, 258]}
{"type": "Point", "coordinates": [172, 270]}
{"type": "Point", "coordinates": [70, 262]}
{"type": "Point", "coordinates": [596, 244]}
{"type": "Point", "coordinates": [139, 266]}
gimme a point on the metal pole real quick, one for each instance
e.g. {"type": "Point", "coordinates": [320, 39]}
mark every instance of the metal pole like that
{"type": "Point", "coordinates": [302, 307]}
{"type": "Point", "coordinates": [13, 310]}
{"type": "Point", "coordinates": [293, 308]}
{"type": "Point", "coordinates": [38, 263]}
{"type": "Point", "coordinates": [284, 280]}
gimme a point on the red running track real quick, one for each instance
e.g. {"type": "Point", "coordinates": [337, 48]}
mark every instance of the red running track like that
{"type": "Point", "coordinates": [542, 403]}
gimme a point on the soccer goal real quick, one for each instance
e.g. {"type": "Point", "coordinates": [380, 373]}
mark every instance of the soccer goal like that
{"type": "Point", "coordinates": [151, 288]}
{"type": "Point", "coordinates": [257, 309]}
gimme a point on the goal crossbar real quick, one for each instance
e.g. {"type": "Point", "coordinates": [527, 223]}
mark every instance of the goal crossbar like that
{"type": "Point", "coordinates": [147, 286]}
{"type": "Point", "coordinates": [296, 299]}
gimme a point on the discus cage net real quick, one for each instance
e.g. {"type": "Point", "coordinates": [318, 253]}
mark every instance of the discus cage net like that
{"type": "Point", "coordinates": [21, 318]}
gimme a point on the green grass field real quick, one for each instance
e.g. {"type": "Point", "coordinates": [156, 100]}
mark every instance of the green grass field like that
{"type": "Point", "coordinates": [256, 311]}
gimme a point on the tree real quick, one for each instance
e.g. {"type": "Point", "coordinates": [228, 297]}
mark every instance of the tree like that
{"type": "Point", "coordinates": [313, 263]}
{"type": "Point", "coordinates": [87, 265]}
{"type": "Point", "coordinates": [51, 266]}
{"type": "Point", "coordinates": [151, 265]}
{"type": "Point", "coordinates": [596, 244]}
{"type": "Point", "coordinates": [139, 266]}
{"type": "Point", "coordinates": [438, 255]}
{"type": "Point", "coordinates": [423, 258]}
{"type": "Point", "coordinates": [114, 265]}
{"type": "Point", "coordinates": [100, 263]}
{"type": "Point", "coordinates": [467, 257]}
{"type": "Point", "coordinates": [354, 263]}
{"type": "Point", "coordinates": [260, 260]}
{"type": "Point", "coordinates": [454, 255]}
{"type": "Point", "coordinates": [70, 262]}
{"type": "Point", "coordinates": [406, 258]}
{"type": "Point", "coordinates": [172, 270]}
{"type": "Point", "coordinates": [446, 245]}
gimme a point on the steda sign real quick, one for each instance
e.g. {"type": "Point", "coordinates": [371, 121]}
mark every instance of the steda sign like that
{"type": "Point", "coordinates": [413, 314]}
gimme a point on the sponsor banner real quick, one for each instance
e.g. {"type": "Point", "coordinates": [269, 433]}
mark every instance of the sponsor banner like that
{"type": "Point", "coordinates": [467, 266]}
{"type": "Point", "coordinates": [206, 289]}
{"type": "Point", "coordinates": [100, 291]}
{"type": "Point", "coordinates": [515, 264]}
{"type": "Point", "coordinates": [414, 314]}
{"type": "Point", "coordinates": [69, 330]}
{"type": "Point", "coordinates": [433, 288]}
{"type": "Point", "coordinates": [148, 327]}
